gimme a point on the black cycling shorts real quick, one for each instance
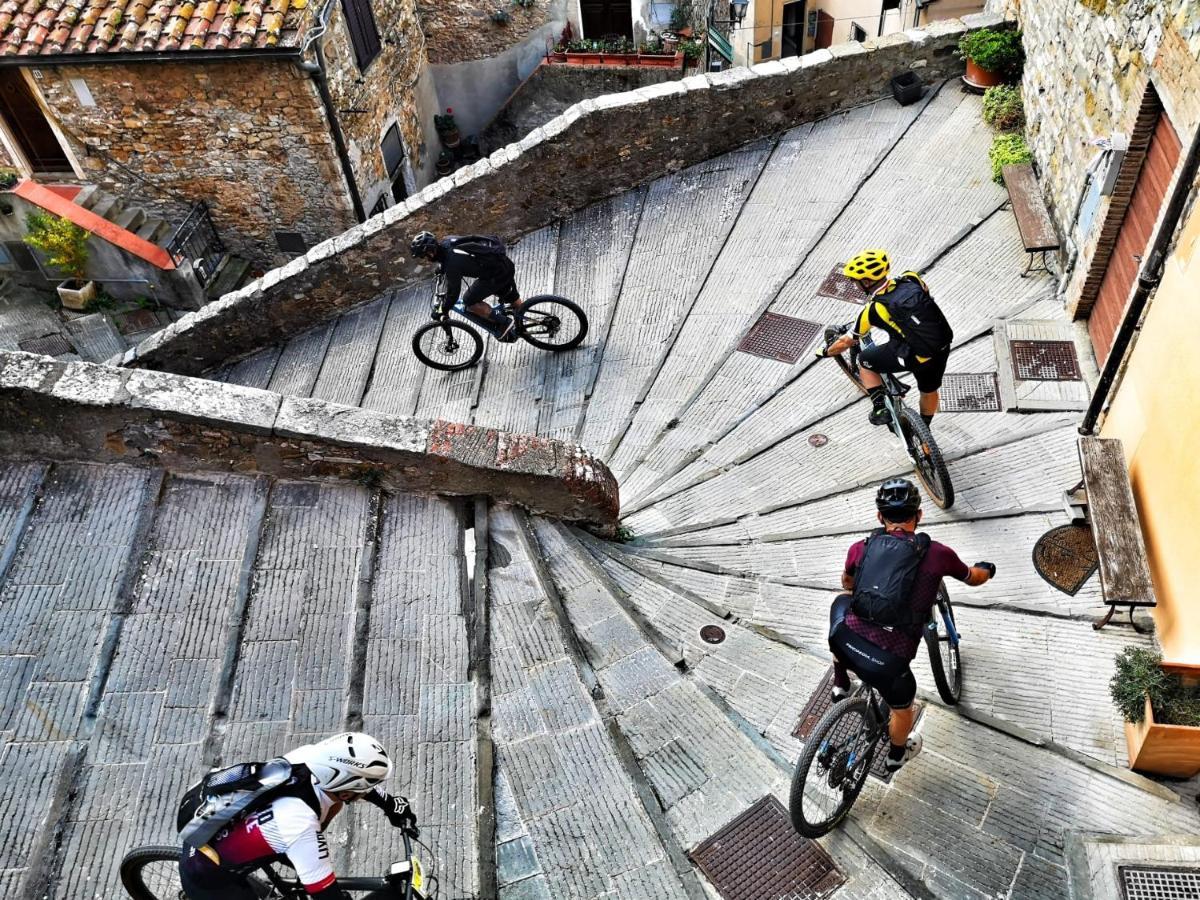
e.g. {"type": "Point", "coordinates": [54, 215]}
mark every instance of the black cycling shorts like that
{"type": "Point", "coordinates": [881, 669]}
{"type": "Point", "coordinates": [202, 879]}
{"type": "Point", "coordinates": [896, 356]}
{"type": "Point", "coordinates": [503, 286]}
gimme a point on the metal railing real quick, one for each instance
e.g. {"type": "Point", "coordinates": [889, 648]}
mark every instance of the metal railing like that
{"type": "Point", "coordinates": [197, 239]}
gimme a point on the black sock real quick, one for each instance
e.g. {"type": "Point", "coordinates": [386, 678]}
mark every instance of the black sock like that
{"type": "Point", "coordinates": [897, 751]}
{"type": "Point", "coordinates": [876, 394]}
{"type": "Point", "coordinates": [928, 420]}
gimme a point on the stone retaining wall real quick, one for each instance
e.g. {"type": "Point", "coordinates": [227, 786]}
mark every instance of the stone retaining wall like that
{"type": "Point", "coordinates": [595, 149]}
{"type": "Point", "coordinates": [100, 413]}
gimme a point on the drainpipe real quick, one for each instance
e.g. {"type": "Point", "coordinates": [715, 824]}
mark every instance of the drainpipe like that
{"type": "Point", "coordinates": [1148, 279]}
{"type": "Point", "coordinates": [317, 71]}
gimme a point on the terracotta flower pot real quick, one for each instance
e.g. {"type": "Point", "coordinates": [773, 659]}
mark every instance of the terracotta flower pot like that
{"type": "Point", "coordinates": [584, 59]}
{"type": "Point", "coordinates": [980, 78]}
{"type": "Point", "coordinates": [1163, 749]}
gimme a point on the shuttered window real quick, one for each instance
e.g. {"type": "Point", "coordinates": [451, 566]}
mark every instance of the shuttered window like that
{"type": "Point", "coordinates": [363, 34]}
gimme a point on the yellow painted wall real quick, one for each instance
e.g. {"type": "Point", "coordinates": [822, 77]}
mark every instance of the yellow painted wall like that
{"type": "Point", "coordinates": [1156, 413]}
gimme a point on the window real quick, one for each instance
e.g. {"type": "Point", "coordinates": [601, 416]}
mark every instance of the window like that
{"type": "Point", "coordinates": [363, 34]}
{"type": "Point", "coordinates": [393, 158]}
{"type": "Point", "coordinates": [890, 4]}
{"type": "Point", "coordinates": [857, 32]}
{"type": "Point", "coordinates": [291, 242]}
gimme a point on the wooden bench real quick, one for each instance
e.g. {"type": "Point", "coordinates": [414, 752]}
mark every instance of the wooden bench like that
{"type": "Point", "coordinates": [1105, 498]}
{"type": "Point", "coordinates": [1033, 219]}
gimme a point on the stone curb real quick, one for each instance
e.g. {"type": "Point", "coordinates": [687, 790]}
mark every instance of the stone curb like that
{"type": "Point", "coordinates": [99, 413]}
{"type": "Point", "coordinates": [596, 149]}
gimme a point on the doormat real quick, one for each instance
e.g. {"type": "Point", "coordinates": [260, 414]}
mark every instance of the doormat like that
{"type": "Point", "coordinates": [1066, 557]}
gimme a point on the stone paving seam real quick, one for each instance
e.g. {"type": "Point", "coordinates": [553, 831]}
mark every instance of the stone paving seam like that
{"type": "Point", "coordinates": [397, 375]}
{"type": "Point", "coordinates": [19, 519]}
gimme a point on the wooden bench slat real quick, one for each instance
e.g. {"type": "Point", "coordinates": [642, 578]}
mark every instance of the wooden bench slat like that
{"type": "Point", "coordinates": [1124, 568]}
{"type": "Point", "coordinates": [1033, 219]}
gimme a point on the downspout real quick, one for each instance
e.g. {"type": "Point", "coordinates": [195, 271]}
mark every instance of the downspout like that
{"type": "Point", "coordinates": [1148, 279]}
{"type": "Point", "coordinates": [317, 71]}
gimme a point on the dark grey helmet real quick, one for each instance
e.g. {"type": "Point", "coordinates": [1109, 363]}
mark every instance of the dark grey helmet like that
{"type": "Point", "coordinates": [423, 244]}
{"type": "Point", "coordinates": [898, 495]}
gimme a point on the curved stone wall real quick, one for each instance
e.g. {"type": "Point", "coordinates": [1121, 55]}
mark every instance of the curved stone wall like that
{"type": "Point", "coordinates": [595, 149]}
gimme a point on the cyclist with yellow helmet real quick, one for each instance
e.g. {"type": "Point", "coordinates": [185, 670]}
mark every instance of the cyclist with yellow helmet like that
{"type": "Point", "coordinates": [919, 336]}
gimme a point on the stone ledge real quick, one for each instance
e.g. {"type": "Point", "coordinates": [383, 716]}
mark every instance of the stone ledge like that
{"type": "Point", "coordinates": [104, 414]}
{"type": "Point", "coordinates": [594, 150]}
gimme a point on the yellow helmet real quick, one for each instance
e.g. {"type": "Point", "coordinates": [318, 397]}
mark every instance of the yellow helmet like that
{"type": "Point", "coordinates": [870, 265]}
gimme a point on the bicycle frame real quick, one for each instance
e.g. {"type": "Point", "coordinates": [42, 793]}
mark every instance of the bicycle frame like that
{"type": "Point", "coordinates": [410, 866]}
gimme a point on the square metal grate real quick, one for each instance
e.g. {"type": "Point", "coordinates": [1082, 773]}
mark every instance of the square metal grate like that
{"type": "Point", "coordinates": [136, 320]}
{"type": "Point", "coordinates": [47, 345]}
{"type": "Point", "coordinates": [839, 287]}
{"type": "Point", "coordinates": [1045, 361]}
{"type": "Point", "coordinates": [1158, 883]}
{"type": "Point", "coordinates": [781, 338]}
{"type": "Point", "coordinates": [970, 392]}
{"type": "Point", "coordinates": [760, 855]}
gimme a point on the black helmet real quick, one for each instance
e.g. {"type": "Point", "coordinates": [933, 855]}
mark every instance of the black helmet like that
{"type": "Point", "coordinates": [898, 497]}
{"type": "Point", "coordinates": [423, 244]}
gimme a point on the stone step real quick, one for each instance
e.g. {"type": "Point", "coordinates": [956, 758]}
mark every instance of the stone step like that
{"type": "Point", "coordinates": [231, 274]}
{"type": "Point", "coordinates": [396, 380]}
{"type": "Point", "coordinates": [346, 368]}
{"type": "Point", "coordinates": [702, 757]}
{"type": "Point", "coordinates": [154, 229]}
{"type": "Point", "coordinates": [130, 218]}
{"type": "Point", "coordinates": [254, 371]}
{"type": "Point", "coordinates": [88, 195]}
{"type": "Point", "coordinates": [570, 822]}
{"type": "Point", "coordinates": [95, 337]}
{"type": "Point", "coordinates": [107, 206]}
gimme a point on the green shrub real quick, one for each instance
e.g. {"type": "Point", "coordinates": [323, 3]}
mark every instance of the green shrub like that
{"type": "Point", "coordinates": [999, 52]}
{"type": "Point", "coordinates": [1004, 108]}
{"type": "Point", "coordinates": [1008, 148]}
{"type": "Point", "coordinates": [1139, 674]}
{"type": "Point", "coordinates": [63, 242]}
{"type": "Point", "coordinates": [692, 50]}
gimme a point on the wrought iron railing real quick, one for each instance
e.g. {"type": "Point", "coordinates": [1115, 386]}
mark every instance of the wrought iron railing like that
{"type": "Point", "coordinates": [196, 239]}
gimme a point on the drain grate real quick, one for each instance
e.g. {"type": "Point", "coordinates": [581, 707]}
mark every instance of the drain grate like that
{"type": "Point", "coordinates": [780, 338]}
{"type": "Point", "coordinates": [1066, 557]}
{"type": "Point", "coordinates": [970, 392]}
{"type": "Point", "coordinates": [760, 855]}
{"type": "Point", "coordinates": [1158, 883]}
{"type": "Point", "coordinates": [839, 287]}
{"type": "Point", "coordinates": [1045, 361]}
{"type": "Point", "coordinates": [136, 320]}
{"type": "Point", "coordinates": [47, 345]}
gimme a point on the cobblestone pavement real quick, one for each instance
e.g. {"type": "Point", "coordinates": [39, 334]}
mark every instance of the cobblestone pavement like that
{"type": "Point", "coordinates": [556, 695]}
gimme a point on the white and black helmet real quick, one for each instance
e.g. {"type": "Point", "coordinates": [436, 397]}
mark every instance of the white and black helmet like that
{"type": "Point", "coordinates": [350, 761]}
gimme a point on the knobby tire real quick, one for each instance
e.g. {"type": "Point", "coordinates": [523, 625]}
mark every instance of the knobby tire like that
{"type": "Point", "coordinates": [531, 314]}
{"type": "Point", "coordinates": [848, 361]}
{"type": "Point", "coordinates": [931, 468]}
{"type": "Point", "coordinates": [937, 640]}
{"type": "Point", "coordinates": [443, 331]}
{"type": "Point", "coordinates": [807, 763]}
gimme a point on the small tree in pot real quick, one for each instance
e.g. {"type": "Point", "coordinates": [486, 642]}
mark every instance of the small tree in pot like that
{"type": "Point", "coordinates": [65, 245]}
{"type": "Point", "coordinates": [1161, 712]}
{"type": "Point", "coordinates": [993, 57]}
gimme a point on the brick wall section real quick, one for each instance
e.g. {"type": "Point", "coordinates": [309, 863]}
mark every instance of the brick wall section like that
{"type": "Point", "coordinates": [248, 137]}
{"type": "Point", "coordinates": [596, 149]}
{"type": "Point", "coordinates": [461, 30]}
{"type": "Point", "coordinates": [99, 413]}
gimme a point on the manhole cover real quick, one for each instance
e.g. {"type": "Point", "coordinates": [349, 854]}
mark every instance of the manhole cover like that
{"type": "Point", "coordinates": [137, 320]}
{"type": "Point", "coordinates": [970, 392]}
{"type": "Point", "coordinates": [712, 634]}
{"type": "Point", "coordinates": [47, 345]}
{"type": "Point", "coordinates": [839, 287]}
{"type": "Point", "coordinates": [1045, 361]}
{"type": "Point", "coordinates": [817, 440]}
{"type": "Point", "coordinates": [1066, 557]}
{"type": "Point", "coordinates": [759, 855]}
{"type": "Point", "coordinates": [819, 703]}
{"type": "Point", "coordinates": [1158, 883]}
{"type": "Point", "coordinates": [781, 338]}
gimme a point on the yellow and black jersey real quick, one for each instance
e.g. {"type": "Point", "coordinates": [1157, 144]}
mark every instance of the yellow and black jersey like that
{"type": "Point", "coordinates": [876, 313]}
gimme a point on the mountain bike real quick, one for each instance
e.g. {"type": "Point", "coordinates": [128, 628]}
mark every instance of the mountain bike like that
{"type": "Point", "coordinates": [152, 873]}
{"type": "Point", "coordinates": [840, 749]}
{"type": "Point", "coordinates": [914, 434]}
{"type": "Point", "coordinates": [546, 321]}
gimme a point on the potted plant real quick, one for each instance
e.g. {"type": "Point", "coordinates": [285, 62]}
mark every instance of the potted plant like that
{"type": "Point", "coordinates": [66, 249]}
{"type": "Point", "coordinates": [620, 52]}
{"type": "Point", "coordinates": [1161, 712]}
{"type": "Point", "coordinates": [993, 57]}
{"type": "Point", "coordinates": [445, 163]}
{"type": "Point", "coordinates": [692, 51]}
{"type": "Point", "coordinates": [8, 178]}
{"type": "Point", "coordinates": [584, 53]}
{"type": "Point", "coordinates": [447, 129]}
{"type": "Point", "coordinates": [670, 42]}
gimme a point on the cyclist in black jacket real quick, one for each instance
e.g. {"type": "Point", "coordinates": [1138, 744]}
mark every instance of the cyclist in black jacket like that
{"type": "Point", "coordinates": [482, 257]}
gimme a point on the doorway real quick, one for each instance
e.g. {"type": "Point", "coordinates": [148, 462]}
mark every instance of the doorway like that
{"type": "Point", "coordinates": [824, 29]}
{"type": "Point", "coordinates": [793, 28]}
{"type": "Point", "coordinates": [604, 18]}
{"type": "Point", "coordinates": [27, 124]}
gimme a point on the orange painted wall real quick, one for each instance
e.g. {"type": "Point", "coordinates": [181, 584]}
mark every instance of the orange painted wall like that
{"type": "Point", "coordinates": [1156, 413]}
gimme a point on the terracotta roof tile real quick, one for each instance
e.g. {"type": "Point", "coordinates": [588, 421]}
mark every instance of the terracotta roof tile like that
{"type": "Point", "coordinates": [52, 27]}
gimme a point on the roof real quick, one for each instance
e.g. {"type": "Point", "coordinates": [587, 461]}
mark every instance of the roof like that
{"type": "Point", "coordinates": [47, 28]}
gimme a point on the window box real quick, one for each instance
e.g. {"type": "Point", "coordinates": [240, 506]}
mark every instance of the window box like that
{"type": "Point", "coordinates": [1163, 749]}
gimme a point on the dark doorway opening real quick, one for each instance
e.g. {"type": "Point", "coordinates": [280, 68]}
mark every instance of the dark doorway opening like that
{"type": "Point", "coordinates": [602, 18]}
{"type": "Point", "coordinates": [793, 28]}
{"type": "Point", "coordinates": [28, 126]}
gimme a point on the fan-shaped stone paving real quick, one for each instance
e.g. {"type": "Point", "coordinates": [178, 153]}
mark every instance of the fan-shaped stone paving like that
{"type": "Point", "coordinates": [559, 723]}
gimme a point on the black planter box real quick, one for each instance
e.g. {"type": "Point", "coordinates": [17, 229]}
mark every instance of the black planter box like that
{"type": "Point", "coordinates": [907, 88]}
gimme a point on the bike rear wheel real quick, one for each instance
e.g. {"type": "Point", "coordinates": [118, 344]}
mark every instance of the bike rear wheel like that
{"type": "Point", "coordinates": [927, 458]}
{"type": "Point", "coordinates": [447, 345]}
{"type": "Point", "coordinates": [551, 323]}
{"type": "Point", "coordinates": [833, 768]}
{"type": "Point", "coordinates": [848, 361]}
{"type": "Point", "coordinates": [944, 659]}
{"type": "Point", "coordinates": [152, 873]}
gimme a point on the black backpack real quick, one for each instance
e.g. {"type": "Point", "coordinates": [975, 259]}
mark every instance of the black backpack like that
{"type": "Point", "coordinates": [488, 249]}
{"type": "Point", "coordinates": [916, 314]}
{"type": "Point", "coordinates": [884, 581]}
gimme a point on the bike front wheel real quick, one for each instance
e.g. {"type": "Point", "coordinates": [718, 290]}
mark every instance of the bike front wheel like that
{"type": "Point", "coordinates": [833, 768]}
{"type": "Point", "coordinates": [848, 361]}
{"type": "Point", "coordinates": [447, 345]}
{"type": "Point", "coordinates": [927, 458]}
{"type": "Point", "coordinates": [941, 639]}
{"type": "Point", "coordinates": [551, 323]}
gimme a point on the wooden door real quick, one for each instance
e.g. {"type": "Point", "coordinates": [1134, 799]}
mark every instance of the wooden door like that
{"type": "Point", "coordinates": [606, 17]}
{"type": "Point", "coordinates": [793, 28]}
{"type": "Point", "coordinates": [1149, 193]}
{"type": "Point", "coordinates": [28, 126]}
{"type": "Point", "coordinates": [824, 29]}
